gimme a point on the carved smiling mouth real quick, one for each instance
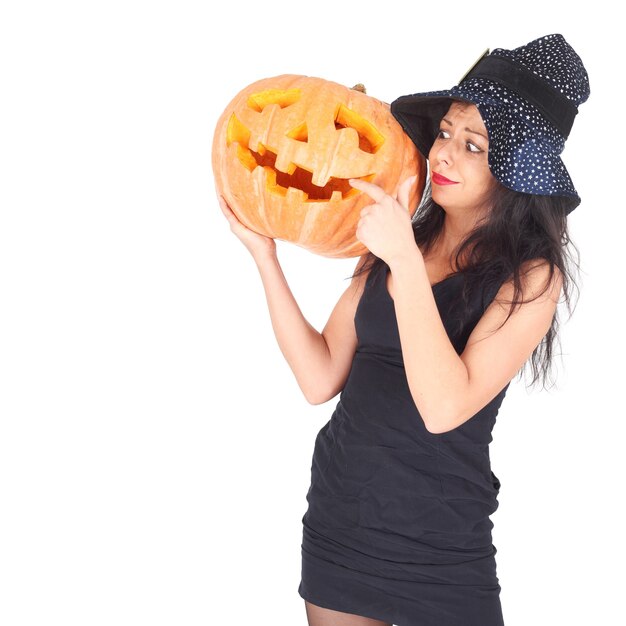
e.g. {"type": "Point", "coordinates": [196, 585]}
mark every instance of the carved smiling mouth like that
{"type": "Point", "coordinates": [296, 177]}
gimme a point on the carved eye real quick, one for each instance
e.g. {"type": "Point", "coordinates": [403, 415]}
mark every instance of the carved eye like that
{"type": "Point", "coordinates": [282, 97]}
{"type": "Point", "coordinates": [370, 140]}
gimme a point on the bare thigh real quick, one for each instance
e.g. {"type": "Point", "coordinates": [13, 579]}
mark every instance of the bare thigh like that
{"type": "Point", "coordinates": [319, 616]}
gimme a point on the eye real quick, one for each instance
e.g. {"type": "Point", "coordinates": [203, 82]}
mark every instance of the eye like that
{"type": "Point", "coordinates": [475, 150]}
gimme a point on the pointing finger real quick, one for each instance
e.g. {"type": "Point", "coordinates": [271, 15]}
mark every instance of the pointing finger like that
{"type": "Point", "coordinates": [373, 191]}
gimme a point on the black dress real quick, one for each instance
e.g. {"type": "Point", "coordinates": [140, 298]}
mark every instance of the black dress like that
{"type": "Point", "coordinates": [397, 526]}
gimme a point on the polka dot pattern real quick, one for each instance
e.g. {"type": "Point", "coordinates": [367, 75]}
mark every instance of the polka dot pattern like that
{"type": "Point", "coordinates": [554, 60]}
{"type": "Point", "coordinates": [524, 147]}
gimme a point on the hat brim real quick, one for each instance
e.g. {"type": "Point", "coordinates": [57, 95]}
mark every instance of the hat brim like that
{"type": "Point", "coordinates": [420, 115]}
{"type": "Point", "coordinates": [527, 160]}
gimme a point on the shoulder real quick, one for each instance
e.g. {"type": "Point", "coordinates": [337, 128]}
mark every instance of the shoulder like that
{"type": "Point", "coordinates": [362, 270]}
{"type": "Point", "coordinates": [523, 317]}
{"type": "Point", "coordinates": [539, 282]}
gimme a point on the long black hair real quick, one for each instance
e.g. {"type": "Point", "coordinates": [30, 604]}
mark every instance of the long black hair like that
{"type": "Point", "coordinates": [519, 227]}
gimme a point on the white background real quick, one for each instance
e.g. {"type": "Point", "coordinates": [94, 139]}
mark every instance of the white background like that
{"type": "Point", "coordinates": [155, 449]}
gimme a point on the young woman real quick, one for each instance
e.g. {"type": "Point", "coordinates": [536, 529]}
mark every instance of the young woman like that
{"type": "Point", "coordinates": [441, 314]}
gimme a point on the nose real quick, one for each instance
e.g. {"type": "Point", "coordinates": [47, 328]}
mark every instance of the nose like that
{"type": "Point", "coordinates": [443, 153]}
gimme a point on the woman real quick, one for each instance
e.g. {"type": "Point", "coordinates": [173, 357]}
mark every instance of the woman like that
{"type": "Point", "coordinates": [440, 315]}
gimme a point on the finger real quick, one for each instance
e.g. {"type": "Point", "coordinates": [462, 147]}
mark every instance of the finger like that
{"type": "Point", "coordinates": [404, 192]}
{"type": "Point", "coordinates": [373, 191]}
{"type": "Point", "coordinates": [224, 206]}
{"type": "Point", "coordinates": [229, 214]}
{"type": "Point", "coordinates": [370, 208]}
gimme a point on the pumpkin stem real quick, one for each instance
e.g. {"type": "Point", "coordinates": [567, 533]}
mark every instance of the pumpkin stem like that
{"type": "Point", "coordinates": [359, 87]}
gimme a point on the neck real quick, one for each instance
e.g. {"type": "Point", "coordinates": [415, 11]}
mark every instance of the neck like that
{"type": "Point", "coordinates": [453, 231]}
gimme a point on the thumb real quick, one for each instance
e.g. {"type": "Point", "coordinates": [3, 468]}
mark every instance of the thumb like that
{"type": "Point", "coordinates": [404, 191]}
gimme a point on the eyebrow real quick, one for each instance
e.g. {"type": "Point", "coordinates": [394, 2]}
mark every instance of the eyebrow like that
{"type": "Point", "coordinates": [469, 130]}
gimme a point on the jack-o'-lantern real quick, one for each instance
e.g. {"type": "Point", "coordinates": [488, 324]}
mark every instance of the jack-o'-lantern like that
{"type": "Point", "coordinates": [285, 147]}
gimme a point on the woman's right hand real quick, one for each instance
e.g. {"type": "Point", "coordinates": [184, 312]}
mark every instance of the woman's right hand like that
{"type": "Point", "coordinates": [256, 243]}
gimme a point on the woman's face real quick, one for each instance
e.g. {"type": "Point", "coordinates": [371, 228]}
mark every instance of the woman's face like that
{"type": "Point", "coordinates": [460, 155]}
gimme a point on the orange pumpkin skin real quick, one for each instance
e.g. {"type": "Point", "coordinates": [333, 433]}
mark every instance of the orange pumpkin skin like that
{"type": "Point", "coordinates": [285, 147]}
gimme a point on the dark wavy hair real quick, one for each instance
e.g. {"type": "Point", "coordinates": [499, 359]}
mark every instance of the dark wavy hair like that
{"type": "Point", "coordinates": [519, 227]}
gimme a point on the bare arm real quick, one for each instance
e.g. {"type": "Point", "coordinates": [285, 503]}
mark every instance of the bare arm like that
{"type": "Point", "coordinates": [448, 388]}
{"type": "Point", "coordinates": [320, 361]}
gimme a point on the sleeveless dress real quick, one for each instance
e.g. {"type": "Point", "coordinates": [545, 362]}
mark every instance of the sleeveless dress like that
{"type": "Point", "coordinates": [397, 526]}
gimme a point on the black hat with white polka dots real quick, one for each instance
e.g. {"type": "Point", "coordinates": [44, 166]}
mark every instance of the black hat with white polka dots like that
{"type": "Point", "coordinates": [528, 98]}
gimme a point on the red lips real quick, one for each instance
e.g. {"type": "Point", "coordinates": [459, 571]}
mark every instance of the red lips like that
{"type": "Point", "coordinates": [442, 180]}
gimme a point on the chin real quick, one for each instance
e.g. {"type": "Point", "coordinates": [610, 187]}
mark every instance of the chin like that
{"type": "Point", "coordinates": [439, 200]}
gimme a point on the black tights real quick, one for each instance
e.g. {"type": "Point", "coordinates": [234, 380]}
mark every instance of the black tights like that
{"type": "Point", "coordinates": [319, 616]}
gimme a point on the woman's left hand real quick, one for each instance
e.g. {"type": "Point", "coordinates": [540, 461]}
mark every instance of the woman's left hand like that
{"type": "Point", "coordinates": [385, 226]}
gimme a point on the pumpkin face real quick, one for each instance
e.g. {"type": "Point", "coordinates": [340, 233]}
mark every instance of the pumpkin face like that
{"type": "Point", "coordinates": [285, 147]}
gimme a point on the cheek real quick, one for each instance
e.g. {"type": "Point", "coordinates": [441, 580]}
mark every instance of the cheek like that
{"type": "Point", "coordinates": [483, 176]}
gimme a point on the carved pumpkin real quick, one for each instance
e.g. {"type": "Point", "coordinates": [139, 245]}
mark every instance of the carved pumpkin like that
{"type": "Point", "coordinates": [285, 147]}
